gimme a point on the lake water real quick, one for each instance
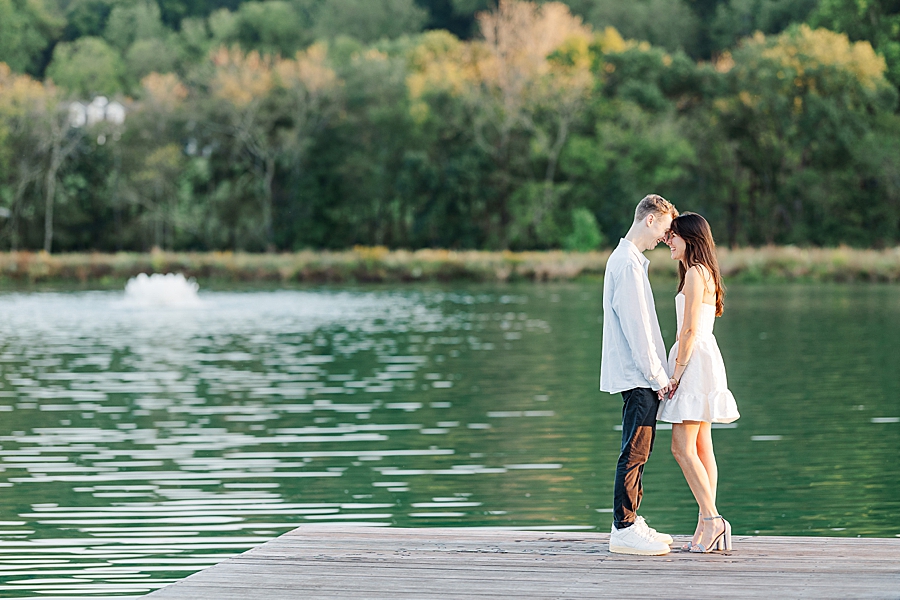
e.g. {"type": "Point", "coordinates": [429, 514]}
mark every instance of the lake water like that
{"type": "Point", "coordinates": [139, 445]}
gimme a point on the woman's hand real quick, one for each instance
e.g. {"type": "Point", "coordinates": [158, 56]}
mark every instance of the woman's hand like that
{"type": "Point", "coordinates": [673, 385]}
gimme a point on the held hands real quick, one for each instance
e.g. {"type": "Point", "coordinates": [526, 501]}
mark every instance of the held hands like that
{"type": "Point", "coordinates": [667, 392]}
{"type": "Point", "coordinates": [664, 391]}
{"type": "Point", "coordinates": [673, 386]}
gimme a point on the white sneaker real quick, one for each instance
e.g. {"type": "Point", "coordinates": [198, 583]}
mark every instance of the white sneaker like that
{"type": "Point", "coordinates": [665, 538]}
{"type": "Point", "coordinates": [636, 540]}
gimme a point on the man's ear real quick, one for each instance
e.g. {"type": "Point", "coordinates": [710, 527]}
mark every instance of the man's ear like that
{"type": "Point", "coordinates": [649, 219]}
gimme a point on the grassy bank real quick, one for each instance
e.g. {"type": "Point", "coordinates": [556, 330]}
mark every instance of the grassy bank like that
{"type": "Point", "coordinates": [381, 265]}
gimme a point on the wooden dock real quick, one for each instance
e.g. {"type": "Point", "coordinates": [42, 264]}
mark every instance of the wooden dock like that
{"type": "Point", "coordinates": [369, 562]}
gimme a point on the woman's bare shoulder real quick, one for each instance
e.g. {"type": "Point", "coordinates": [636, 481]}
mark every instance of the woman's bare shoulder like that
{"type": "Point", "coordinates": [698, 279]}
{"type": "Point", "coordinates": [699, 272]}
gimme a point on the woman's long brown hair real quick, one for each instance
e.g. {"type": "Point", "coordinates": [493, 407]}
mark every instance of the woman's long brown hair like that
{"type": "Point", "coordinates": [700, 249]}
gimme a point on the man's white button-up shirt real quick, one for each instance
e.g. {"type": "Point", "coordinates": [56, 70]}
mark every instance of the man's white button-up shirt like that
{"type": "Point", "coordinates": [633, 354]}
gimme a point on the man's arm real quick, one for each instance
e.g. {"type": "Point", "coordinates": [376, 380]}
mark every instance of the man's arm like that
{"type": "Point", "coordinates": [634, 316]}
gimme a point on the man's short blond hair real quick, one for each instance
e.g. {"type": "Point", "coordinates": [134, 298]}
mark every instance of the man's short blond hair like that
{"type": "Point", "coordinates": [654, 204]}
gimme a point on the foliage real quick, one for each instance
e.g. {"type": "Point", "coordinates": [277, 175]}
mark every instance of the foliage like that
{"type": "Point", "coordinates": [291, 124]}
{"type": "Point", "coordinates": [272, 27]}
{"type": "Point", "coordinates": [585, 234]}
{"type": "Point", "coordinates": [799, 105]}
{"type": "Point", "coordinates": [27, 28]}
{"type": "Point", "coordinates": [875, 21]}
{"type": "Point", "coordinates": [369, 20]}
{"type": "Point", "coordinates": [128, 23]}
{"type": "Point", "coordinates": [737, 19]}
{"type": "Point", "coordinates": [87, 66]}
{"type": "Point", "coordinates": [669, 24]}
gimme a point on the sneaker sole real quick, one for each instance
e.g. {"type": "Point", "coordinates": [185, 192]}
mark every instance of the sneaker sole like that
{"type": "Point", "coordinates": [636, 551]}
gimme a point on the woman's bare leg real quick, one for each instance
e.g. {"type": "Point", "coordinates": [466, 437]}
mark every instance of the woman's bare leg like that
{"type": "Point", "coordinates": [684, 448]}
{"type": "Point", "coordinates": [708, 458]}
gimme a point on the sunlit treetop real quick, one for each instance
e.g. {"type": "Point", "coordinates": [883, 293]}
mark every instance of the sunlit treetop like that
{"type": "Point", "coordinates": [308, 69]}
{"type": "Point", "coordinates": [19, 93]}
{"type": "Point", "coordinates": [517, 41]}
{"type": "Point", "coordinates": [804, 49]}
{"type": "Point", "coordinates": [165, 90]}
{"type": "Point", "coordinates": [241, 78]}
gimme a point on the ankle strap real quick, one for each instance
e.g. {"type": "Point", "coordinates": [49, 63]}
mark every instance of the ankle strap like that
{"type": "Point", "coordinates": [713, 517]}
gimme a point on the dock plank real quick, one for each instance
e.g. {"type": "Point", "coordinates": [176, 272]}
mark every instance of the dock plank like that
{"type": "Point", "coordinates": [323, 561]}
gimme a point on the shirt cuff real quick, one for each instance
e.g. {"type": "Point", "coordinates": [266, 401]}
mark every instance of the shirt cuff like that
{"type": "Point", "coordinates": [659, 382]}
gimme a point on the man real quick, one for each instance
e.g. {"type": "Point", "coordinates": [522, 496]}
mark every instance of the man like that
{"type": "Point", "coordinates": [633, 363]}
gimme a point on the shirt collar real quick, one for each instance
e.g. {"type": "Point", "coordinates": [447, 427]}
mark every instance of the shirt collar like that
{"type": "Point", "coordinates": [630, 247]}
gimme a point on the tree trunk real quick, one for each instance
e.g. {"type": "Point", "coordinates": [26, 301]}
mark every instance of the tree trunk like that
{"type": "Point", "coordinates": [733, 217]}
{"type": "Point", "coordinates": [267, 206]}
{"type": "Point", "coordinates": [552, 162]}
{"type": "Point", "coordinates": [117, 207]}
{"type": "Point", "coordinates": [50, 190]}
{"type": "Point", "coordinates": [157, 229]}
{"type": "Point", "coordinates": [159, 203]}
{"type": "Point", "coordinates": [14, 212]}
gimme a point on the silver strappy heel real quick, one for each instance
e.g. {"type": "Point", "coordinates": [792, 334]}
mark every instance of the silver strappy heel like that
{"type": "Point", "coordinates": [720, 542]}
{"type": "Point", "coordinates": [687, 547]}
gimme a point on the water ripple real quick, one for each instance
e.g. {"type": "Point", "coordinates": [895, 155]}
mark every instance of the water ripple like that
{"type": "Point", "coordinates": [141, 443]}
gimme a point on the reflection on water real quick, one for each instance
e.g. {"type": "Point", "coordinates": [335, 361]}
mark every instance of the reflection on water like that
{"type": "Point", "coordinates": [140, 443]}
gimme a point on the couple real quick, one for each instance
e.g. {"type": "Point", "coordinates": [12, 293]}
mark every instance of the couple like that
{"type": "Point", "coordinates": [689, 390]}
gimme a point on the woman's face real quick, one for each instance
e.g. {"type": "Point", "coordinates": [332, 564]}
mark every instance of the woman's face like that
{"type": "Point", "coordinates": [677, 246]}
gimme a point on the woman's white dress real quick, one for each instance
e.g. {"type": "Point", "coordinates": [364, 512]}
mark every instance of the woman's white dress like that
{"type": "Point", "coordinates": [703, 392]}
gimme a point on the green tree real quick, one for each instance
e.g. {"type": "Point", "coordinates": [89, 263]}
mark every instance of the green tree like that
{"type": "Point", "coordinates": [37, 128]}
{"type": "Point", "coordinates": [57, 140]}
{"type": "Point", "coordinates": [635, 140]}
{"type": "Point", "coordinates": [273, 27]}
{"type": "Point", "coordinates": [799, 105]}
{"type": "Point", "coordinates": [560, 96]}
{"type": "Point", "coordinates": [738, 19]}
{"type": "Point", "coordinates": [223, 26]}
{"type": "Point", "coordinates": [376, 149]}
{"type": "Point", "coordinates": [264, 110]}
{"type": "Point", "coordinates": [369, 20]}
{"type": "Point", "coordinates": [444, 174]}
{"type": "Point", "coordinates": [511, 87]}
{"type": "Point", "coordinates": [27, 28]}
{"type": "Point", "coordinates": [151, 55]}
{"type": "Point", "coordinates": [194, 40]}
{"type": "Point", "coordinates": [21, 162]}
{"type": "Point", "coordinates": [669, 24]}
{"type": "Point", "coordinates": [455, 16]}
{"type": "Point", "coordinates": [147, 186]}
{"type": "Point", "coordinates": [471, 7]}
{"type": "Point", "coordinates": [128, 23]}
{"type": "Point", "coordinates": [155, 189]}
{"type": "Point", "coordinates": [585, 234]}
{"type": "Point", "coordinates": [875, 21]}
{"type": "Point", "coordinates": [86, 18]}
{"type": "Point", "coordinates": [632, 151]}
{"type": "Point", "coordinates": [86, 67]}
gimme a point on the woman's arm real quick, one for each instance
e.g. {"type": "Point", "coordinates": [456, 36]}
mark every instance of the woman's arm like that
{"type": "Point", "coordinates": [694, 289]}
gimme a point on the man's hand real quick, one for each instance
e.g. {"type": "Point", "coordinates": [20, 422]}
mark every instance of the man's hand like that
{"type": "Point", "coordinates": [673, 385]}
{"type": "Point", "coordinates": [667, 392]}
{"type": "Point", "coordinates": [663, 392]}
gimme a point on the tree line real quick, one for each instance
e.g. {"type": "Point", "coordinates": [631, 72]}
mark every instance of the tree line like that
{"type": "Point", "coordinates": [283, 125]}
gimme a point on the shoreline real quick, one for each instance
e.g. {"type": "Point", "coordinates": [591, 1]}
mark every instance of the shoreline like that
{"type": "Point", "coordinates": [380, 265]}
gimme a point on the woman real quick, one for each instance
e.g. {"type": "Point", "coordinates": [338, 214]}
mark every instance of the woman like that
{"type": "Point", "coordinates": [700, 393]}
